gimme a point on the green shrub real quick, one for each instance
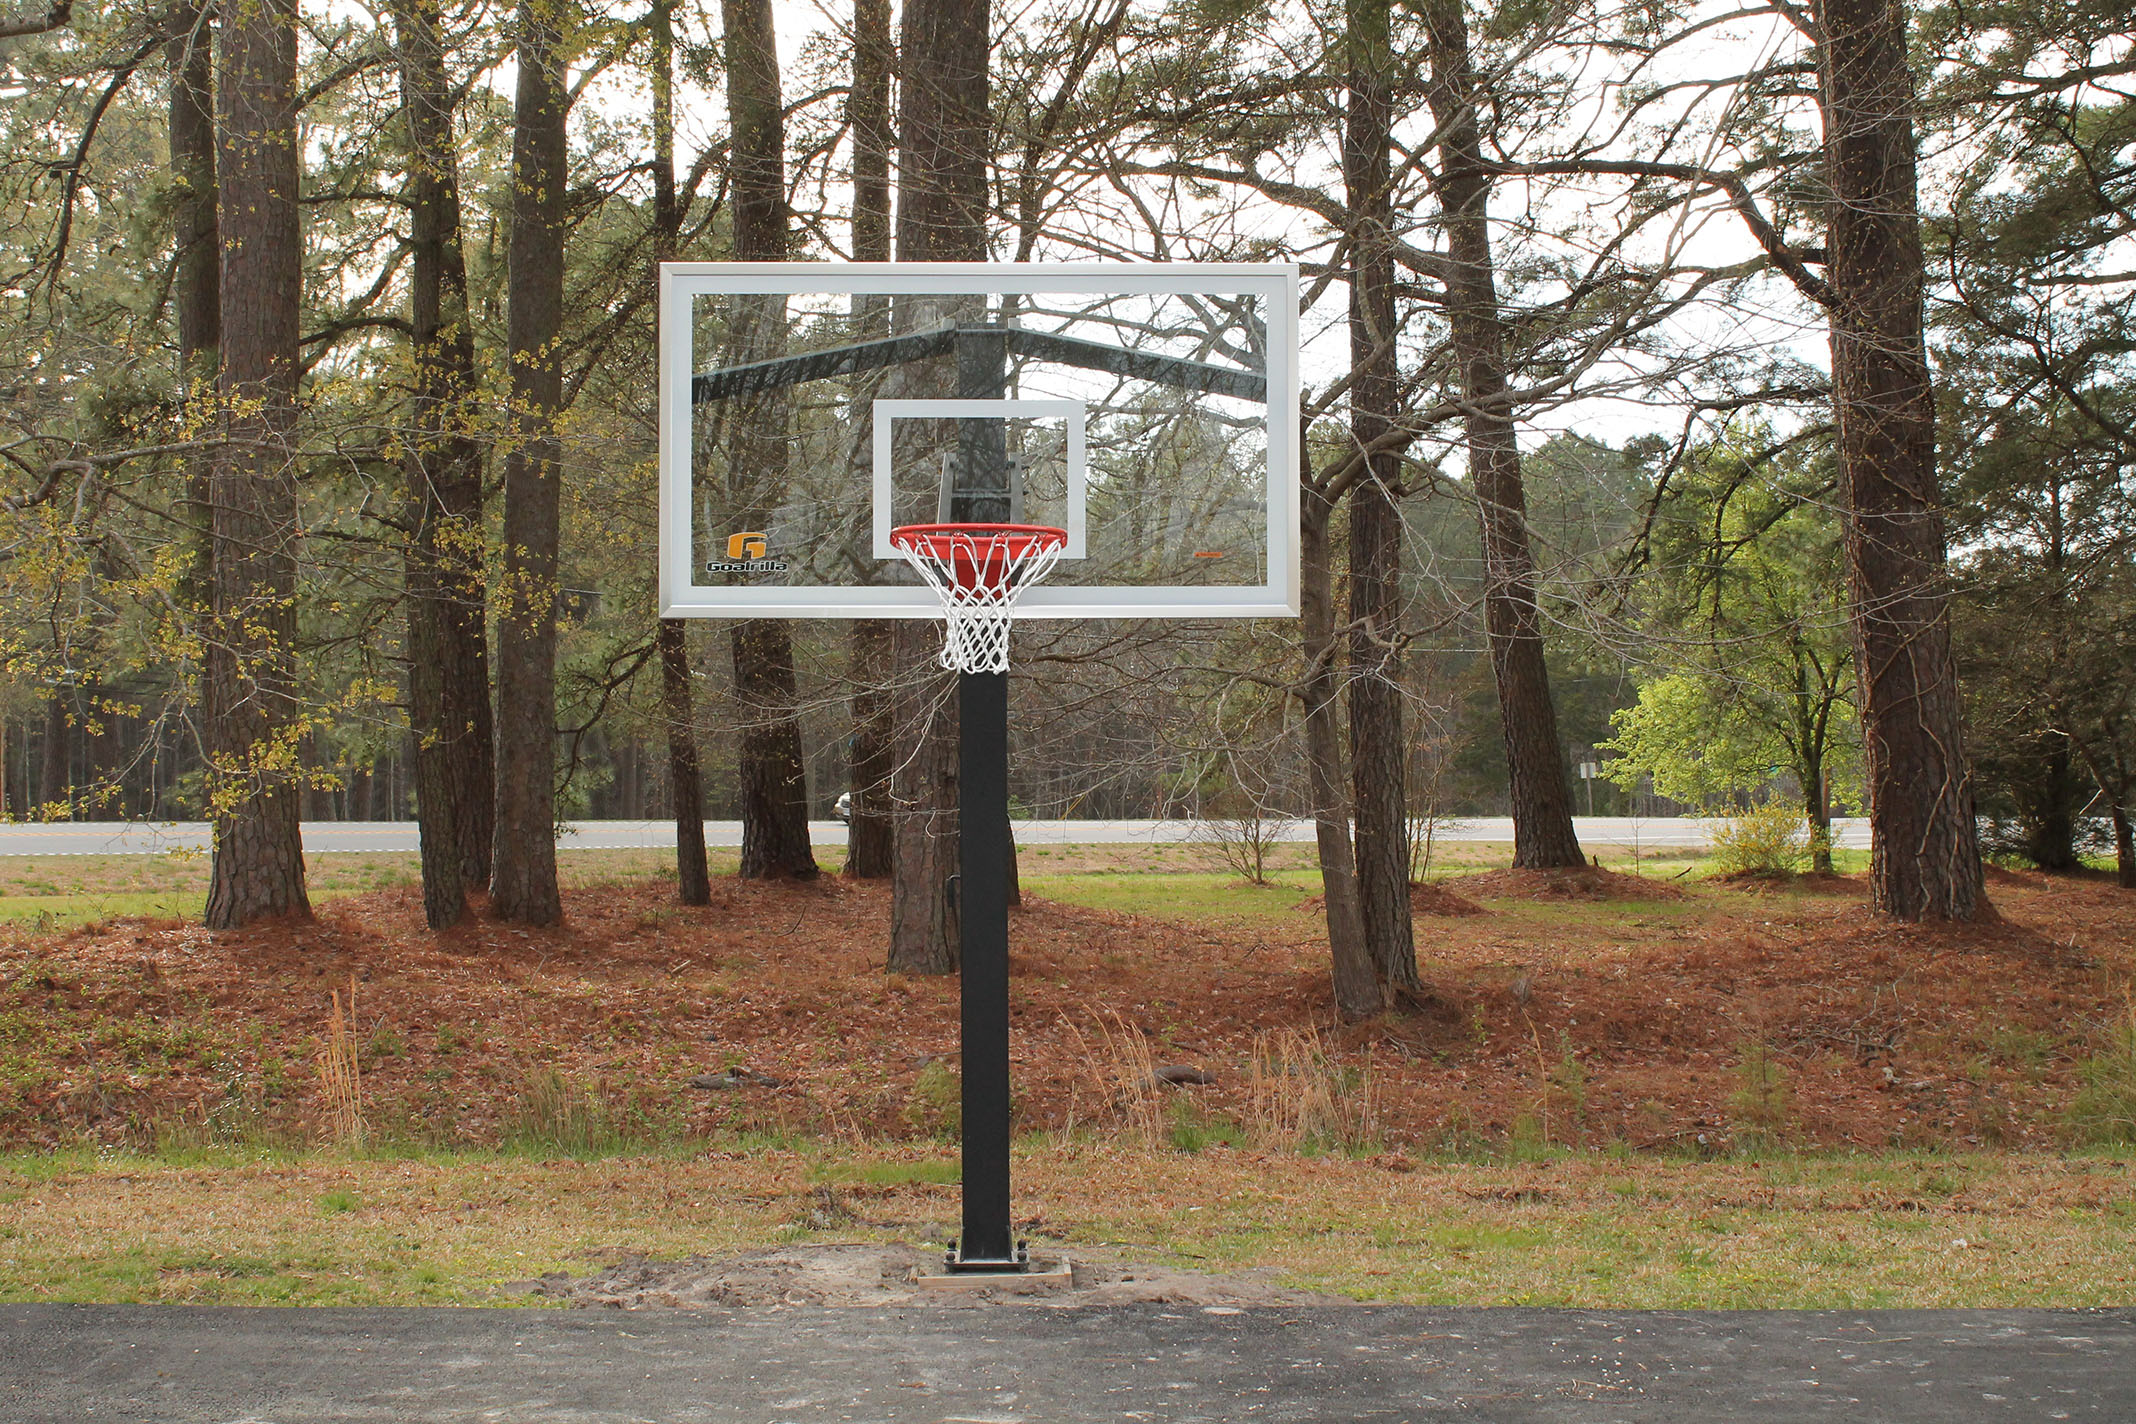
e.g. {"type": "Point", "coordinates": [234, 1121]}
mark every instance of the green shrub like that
{"type": "Point", "coordinates": [1765, 840]}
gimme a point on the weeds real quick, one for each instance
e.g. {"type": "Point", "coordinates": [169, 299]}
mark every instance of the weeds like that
{"type": "Point", "coordinates": [1760, 1110]}
{"type": "Point", "coordinates": [1299, 1098]}
{"type": "Point", "coordinates": [1125, 1076]}
{"type": "Point", "coordinates": [1193, 1129]}
{"type": "Point", "coordinates": [937, 1105]}
{"type": "Point", "coordinates": [1567, 1082]}
{"type": "Point", "coordinates": [341, 1076]}
{"type": "Point", "coordinates": [2104, 1109]}
{"type": "Point", "coordinates": [556, 1115]}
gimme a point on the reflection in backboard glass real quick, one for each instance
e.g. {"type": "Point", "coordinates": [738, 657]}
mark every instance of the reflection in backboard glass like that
{"type": "Point", "coordinates": [1130, 406]}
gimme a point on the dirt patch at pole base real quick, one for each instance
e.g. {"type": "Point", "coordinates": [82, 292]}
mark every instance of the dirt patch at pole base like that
{"type": "Point", "coordinates": [873, 1274]}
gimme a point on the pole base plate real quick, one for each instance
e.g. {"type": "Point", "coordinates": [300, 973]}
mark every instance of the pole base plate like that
{"type": "Point", "coordinates": [1046, 1276]}
{"type": "Point", "coordinates": [956, 1263]}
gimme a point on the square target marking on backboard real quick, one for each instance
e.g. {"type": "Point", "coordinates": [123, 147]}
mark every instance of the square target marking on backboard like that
{"type": "Point", "coordinates": [806, 409]}
{"type": "Point", "coordinates": [1069, 511]}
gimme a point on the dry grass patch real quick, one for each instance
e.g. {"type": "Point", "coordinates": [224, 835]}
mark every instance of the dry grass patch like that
{"type": "Point", "coordinates": [1580, 1231]}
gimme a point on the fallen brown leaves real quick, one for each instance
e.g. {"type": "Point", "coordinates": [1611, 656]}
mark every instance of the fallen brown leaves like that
{"type": "Point", "coordinates": [1599, 1012]}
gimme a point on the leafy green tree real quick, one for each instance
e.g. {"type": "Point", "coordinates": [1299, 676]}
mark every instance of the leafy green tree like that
{"type": "Point", "coordinates": [1745, 609]}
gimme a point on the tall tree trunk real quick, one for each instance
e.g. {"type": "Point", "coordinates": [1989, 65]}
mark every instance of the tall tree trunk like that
{"type": "Point", "coordinates": [2056, 797]}
{"type": "Point", "coordinates": [465, 725]}
{"type": "Point", "coordinates": [1817, 809]}
{"type": "Point", "coordinates": [1542, 801]}
{"type": "Point", "coordinates": [2124, 847]}
{"type": "Point", "coordinates": [258, 866]}
{"type": "Point", "coordinates": [523, 884]}
{"type": "Point", "coordinates": [196, 294]}
{"type": "Point", "coordinates": [1357, 985]}
{"type": "Point", "coordinates": [941, 217]}
{"type": "Point", "coordinates": [693, 876]}
{"type": "Point", "coordinates": [1924, 842]}
{"type": "Point", "coordinates": [196, 289]}
{"type": "Point", "coordinates": [2117, 784]}
{"type": "Point", "coordinates": [773, 773]}
{"type": "Point", "coordinates": [868, 113]}
{"type": "Point", "coordinates": [448, 661]}
{"type": "Point", "coordinates": [870, 833]}
{"type": "Point", "coordinates": [1378, 748]}
{"type": "Point", "coordinates": [923, 907]}
{"type": "Point", "coordinates": [57, 786]}
{"type": "Point", "coordinates": [870, 828]}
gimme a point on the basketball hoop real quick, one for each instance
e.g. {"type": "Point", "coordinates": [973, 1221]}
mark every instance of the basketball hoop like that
{"type": "Point", "coordinates": [979, 570]}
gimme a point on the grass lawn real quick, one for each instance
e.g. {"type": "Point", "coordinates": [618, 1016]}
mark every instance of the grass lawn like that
{"type": "Point", "coordinates": [1571, 1230]}
{"type": "Point", "coordinates": [58, 893]}
{"type": "Point", "coordinates": [63, 892]}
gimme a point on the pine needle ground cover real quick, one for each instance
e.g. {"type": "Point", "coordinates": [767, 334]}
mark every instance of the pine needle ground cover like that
{"type": "Point", "coordinates": [1620, 1088]}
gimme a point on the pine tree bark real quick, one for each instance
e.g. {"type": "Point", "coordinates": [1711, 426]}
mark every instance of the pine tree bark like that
{"type": "Point", "coordinates": [196, 291]}
{"type": "Point", "coordinates": [447, 641]}
{"type": "Point", "coordinates": [678, 703]}
{"type": "Point", "coordinates": [2117, 786]}
{"type": "Point", "coordinates": [1817, 810]}
{"type": "Point", "coordinates": [57, 781]}
{"type": "Point", "coordinates": [1924, 840]}
{"type": "Point", "coordinates": [693, 876]}
{"type": "Point", "coordinates": [1356, 979]}
{"type": "Point", "coordinates": [1378, 747]}
{"type": "Point", "coordinates": [941, 217]}
{"type": "Point", "coordinates": [1543, 834]}
{"type": "Point", "coordinates": [258, 867]}
{"type": "Point", "coordinates": [523, 885]}
{"type": "Point", "coordinates": [196, 300]}
{"type": "Point", "coordinates": [774, 777]}
{"type": "Point", "coordinates": [924, 936]}
{"type": "Point", "coordinates": [870, 830]}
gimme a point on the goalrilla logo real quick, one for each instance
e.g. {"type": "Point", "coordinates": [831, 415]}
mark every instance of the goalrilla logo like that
{"type": "Point", "coordinates": [746, 555]}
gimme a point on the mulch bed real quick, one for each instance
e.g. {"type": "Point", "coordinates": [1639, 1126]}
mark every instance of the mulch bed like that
{"type": "Point", "coordinates": [1547, 1016]}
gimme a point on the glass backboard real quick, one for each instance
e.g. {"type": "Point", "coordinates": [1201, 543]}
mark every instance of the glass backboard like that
{"type": "Point", "coordinates": [807, 409]}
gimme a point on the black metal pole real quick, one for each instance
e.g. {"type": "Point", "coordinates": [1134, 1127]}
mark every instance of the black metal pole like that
{"type": "Point", "coordinates": [983, 922]}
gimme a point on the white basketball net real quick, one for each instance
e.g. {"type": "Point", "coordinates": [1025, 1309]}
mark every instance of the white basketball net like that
{"type": "Point", "coordinates": [979, 573]}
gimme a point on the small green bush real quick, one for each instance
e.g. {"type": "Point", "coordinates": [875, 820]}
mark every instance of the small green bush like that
{"type": "Point", "coordinates": [1765, 840]}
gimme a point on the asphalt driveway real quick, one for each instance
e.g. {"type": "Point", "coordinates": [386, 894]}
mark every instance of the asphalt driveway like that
{"type": "Point", "coordinates": [1005, 1364]}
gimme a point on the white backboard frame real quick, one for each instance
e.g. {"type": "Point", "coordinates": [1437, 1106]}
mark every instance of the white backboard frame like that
{"type": "Point", "coordinates": [682, 282]}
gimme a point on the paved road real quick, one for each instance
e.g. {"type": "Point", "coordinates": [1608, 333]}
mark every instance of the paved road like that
{"type": "Point", "coordinates": [1009, 1365]}
{"type": "Point", "coordinates": [327, 837]}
